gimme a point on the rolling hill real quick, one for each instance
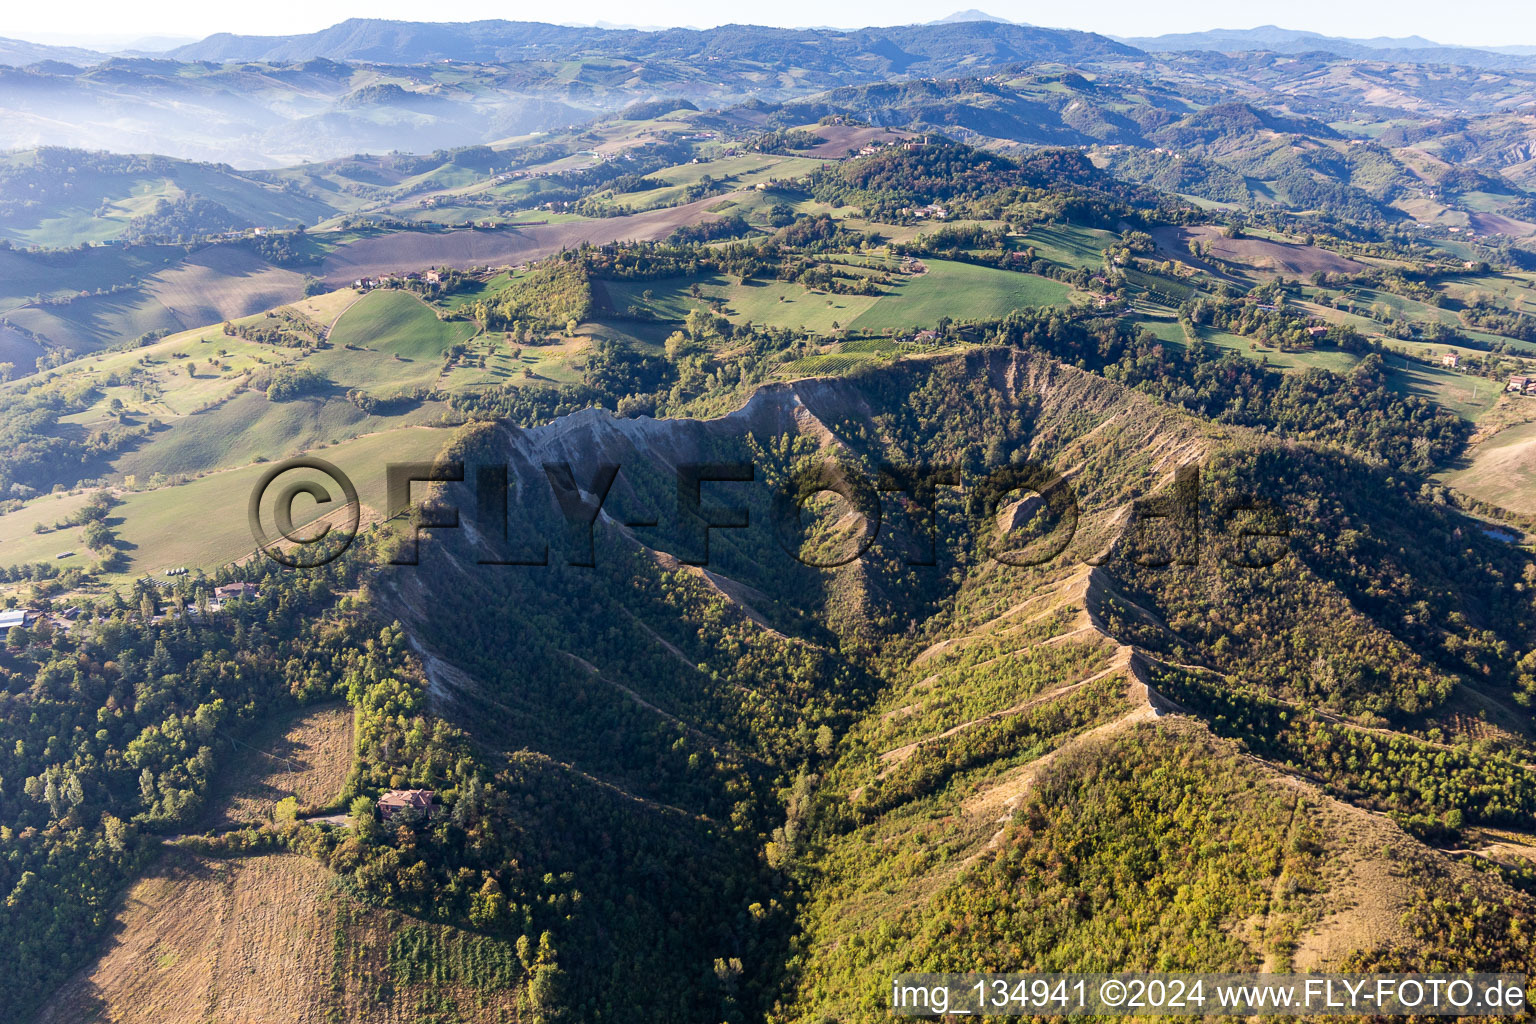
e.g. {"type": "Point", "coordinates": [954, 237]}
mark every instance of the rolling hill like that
{"type": "Point", "coordinates": [951, 497]}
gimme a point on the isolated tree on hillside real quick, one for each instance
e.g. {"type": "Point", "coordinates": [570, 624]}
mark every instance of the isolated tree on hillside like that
{"type": "Point", "coordinates": [98, 535]}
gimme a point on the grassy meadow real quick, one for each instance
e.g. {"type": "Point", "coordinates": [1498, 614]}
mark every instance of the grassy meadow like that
{"type": "Point", "coordinates": [203, 523]}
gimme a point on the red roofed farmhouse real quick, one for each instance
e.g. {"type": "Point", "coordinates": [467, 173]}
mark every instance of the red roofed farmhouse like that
{"type": "Point", "coordinates": [399, 799]}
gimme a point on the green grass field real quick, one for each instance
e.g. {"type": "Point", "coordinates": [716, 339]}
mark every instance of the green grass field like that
{"type": "Point", "coordinates": [154, 382]}
{"type": "Point", "coordinates": [1465, 395]}
{"type": "Point", "coordinates": [1501, 470]}
{"type": "Point", "coordinates": [398, 323]}
{"type": "Point", "coordinates": [557, 362]}
{"type": "Point", "coordinates": [202, 523]}
{"type": "Point", "coordinates": [157, 524]}
{"type": "Point", "coordinates": [396, 342]}
{"type": "Point", "coordinates": [1070, 244]}
{"type": "Point", "coordinates": [1165, 329]}
{"type": "Point", "coordinates": [248, 427]}
{"type": "Point", "coordinates": [472, 293]}
{"type": "Point", "coordinates": [959, 291]}
{"type": "Point", "coordinates": [1403, 307]}
{"type": "Point", "coordinates": [20, 545]}
{"type": "Point", "coordinates": [956, 290]}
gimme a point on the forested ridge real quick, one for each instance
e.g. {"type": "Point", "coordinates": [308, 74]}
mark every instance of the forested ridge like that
{"type": "Point", "coordinates": [1068, 517]}
{"type": "Point", "coordinates": [711, 779]}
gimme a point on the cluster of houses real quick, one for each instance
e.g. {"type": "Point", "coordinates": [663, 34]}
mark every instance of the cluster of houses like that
{"type": "Point", "coordinates": [907, 142]}
{"type": "Point", "coordinates": [26, 618]}
{"type": "Point", "coordinates": [11, 617]}
{"type": "Point", "coordinates": [364, 284]}
{"type": "Point", "coordinates": [431, 277]}
{"type": "Point", "coordinates": [1521, 384]}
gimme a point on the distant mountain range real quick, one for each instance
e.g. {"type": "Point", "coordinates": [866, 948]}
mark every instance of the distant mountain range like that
{"type": "Point", "coordinates": [19, 53]}
{"type": "Point", "coordinates": [932, 48]}
{"type": "Point", "coordinates": [964, 41]}
{"type": "Point", "coordinates": [967, 39]}
{"type": "Point", "coordinates": [1283, 40]}
{"type": "Point", "coordinates": [377, 85]}
{"type": "Point", "coordinates": [1272, 37]}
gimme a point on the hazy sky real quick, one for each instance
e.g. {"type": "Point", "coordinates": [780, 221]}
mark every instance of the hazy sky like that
{"type": "Point", "coordinates": [1466, 22]}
